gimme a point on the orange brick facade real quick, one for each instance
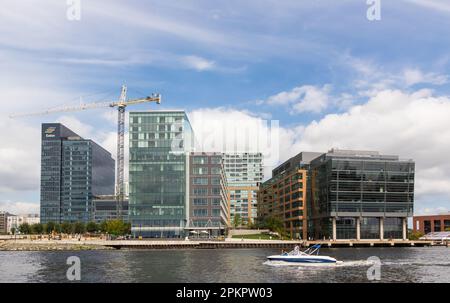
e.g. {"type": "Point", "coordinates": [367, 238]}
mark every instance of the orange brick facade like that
{"type": "Point", "coordinates": [435, 223]}
{"type": "Point", "coordinates": [284, 197]}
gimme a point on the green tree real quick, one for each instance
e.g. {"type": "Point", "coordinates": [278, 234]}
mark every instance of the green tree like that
{"type": "Point", "coordinates": [13, 230]}
{"type": "Point", "coordinates": [66, 227]}
{"type": "Point", "coordinates": [25, 229]}
{"type": "Point", "coordinates": [79, 228]}
{"type": "Point", "coordinates": [57, 227]}
{"type": "Point", "coordinates": [50, 227]}
{"type": "Point", "coordinates": [237, 220]}
{"type": "Point", "coordinates": [92, 227]}
{"type": "Point", "coordinates": [117, 227]}
{"type": "Point", "coordinates": [104, 226]}
{"type": "Point", "coordinates": [415, 235]}
{"type": "Point", "coordinates": [37, 228]}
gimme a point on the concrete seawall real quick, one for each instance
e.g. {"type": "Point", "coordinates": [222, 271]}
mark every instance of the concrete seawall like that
{"type": "Point", "coordinates": [55, 245]}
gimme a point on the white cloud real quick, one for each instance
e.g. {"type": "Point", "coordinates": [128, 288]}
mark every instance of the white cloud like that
{"type": "Point", "coordinates": [306, 98]}
{"type": "Point", "coordinates": [198, 63]}
{"type": "Point", "coordinates": [411, 125]}
{"type": "Point", "coordinates": [416, 76]}
{"type": "Point", "coordinates": [19, 208]}
{"type": "Point", "coordinates": [439, 5]}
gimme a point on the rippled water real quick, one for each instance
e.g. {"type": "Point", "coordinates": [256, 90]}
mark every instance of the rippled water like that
{"type": "Point", "coordinates": [228, 265]}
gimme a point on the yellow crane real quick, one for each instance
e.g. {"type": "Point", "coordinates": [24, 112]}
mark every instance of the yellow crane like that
{"type": "Point", "coordinates": [121, 106]}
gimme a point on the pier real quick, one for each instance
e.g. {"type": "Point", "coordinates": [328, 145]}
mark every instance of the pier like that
{"type": "Point", "coordinates": [99, 244]}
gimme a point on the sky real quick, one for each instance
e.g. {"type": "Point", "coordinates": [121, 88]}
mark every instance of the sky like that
{"type": "Point", "coordinates": [278, 77]}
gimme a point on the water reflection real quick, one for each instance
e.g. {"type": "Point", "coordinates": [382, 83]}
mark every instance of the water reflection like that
{"type": "Point", "coordinates": [228, 265]}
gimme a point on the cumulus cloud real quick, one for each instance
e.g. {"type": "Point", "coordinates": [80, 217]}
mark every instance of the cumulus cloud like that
{"type": "Point", "coordinates": [230, 130]}
{"type": "Point", "coordinates": [306, 98]}
{"type": "Point", "coordinates": [19, 208]}
{"type": "Point", "coordinates": [412, 125]}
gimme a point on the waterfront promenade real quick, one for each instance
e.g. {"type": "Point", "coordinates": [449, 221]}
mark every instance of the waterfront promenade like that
{"type": "Point", "coordinates": [12, 244]}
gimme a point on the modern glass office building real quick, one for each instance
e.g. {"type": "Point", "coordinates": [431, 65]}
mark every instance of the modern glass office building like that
{"type": "Point", "coordinates": [160, 142]}
{"type": "Point", "coordinates": [244, 171]}
{"type": "Point", "coordinates": [73, 170]}
{"type": "Point", "coordinates": [360, 195]}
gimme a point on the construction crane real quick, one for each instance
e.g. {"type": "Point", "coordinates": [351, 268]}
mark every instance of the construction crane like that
{"type": "Point", "coordinates": [121, 106]}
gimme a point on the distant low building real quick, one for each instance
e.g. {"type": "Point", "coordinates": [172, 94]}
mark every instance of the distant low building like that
{"type": "Point", "coordinates": [14, 221]}
{"type": "Point", "coordinates": [431, 223]}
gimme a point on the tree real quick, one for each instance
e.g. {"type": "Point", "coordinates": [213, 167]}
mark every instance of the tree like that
{"type": "Point", "coordinates": [117, 227]}
{"type": "Point", "coordinates": [50, 227]}
{"type": "Point", "coordinates": [274, 224]}
{"type": "Point", "coordinates": [415, 235]}
{"type": "Point", "coordinates": [103, 226]}
{"type": "Point", "coordinates": [13, 230]}
{"type": "Point", "coordinates": [25, 229]}
{"type": "Point", "coordinates": [92, 227]}
{"type": "Point", "coordinates": [79, 228]}
{"type": "Point", "coordinates": [37, 228]}
{"type": "Point", "coordinates": [237, 220]}
{"type": "Point", "coordinates": [66, 227]}
{"type": "Point", "coordinates": [57, 227]}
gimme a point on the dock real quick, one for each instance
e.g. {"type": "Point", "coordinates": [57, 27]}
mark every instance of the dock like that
{"type": "Point", "coordinates": [235, 243]}
{"type": "Point", "coordinates": [98, 244]}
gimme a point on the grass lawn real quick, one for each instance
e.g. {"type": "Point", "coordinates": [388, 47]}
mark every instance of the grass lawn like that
{"type": "Point", "coordinates": [255, 237]}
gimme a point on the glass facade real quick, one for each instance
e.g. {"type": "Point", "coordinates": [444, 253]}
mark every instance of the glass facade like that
{"type": "Point", "coordinates": [158, 173]}
{"type": "Point", "coordinates": [361, 184]}
{"type": "Point", "coordinates": [73, 171]}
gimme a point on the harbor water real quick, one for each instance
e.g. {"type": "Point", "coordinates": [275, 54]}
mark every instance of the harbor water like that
{"type": "Point", "coordinates": [426, 264]}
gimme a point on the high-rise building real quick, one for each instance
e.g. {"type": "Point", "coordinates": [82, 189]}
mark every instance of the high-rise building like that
{"type": "Point", "coordinates": [284, 195]}
{"type": "Point", "coordinates": [208, 207]}
{"type": "Point", "coordinates": [244, 171]}
{"type": "Point", "coordinates": [360, 195]}
{"type": "Point", "coordinates": [160, 143]}
{"type": "Point", "coordinates": [73, 170]}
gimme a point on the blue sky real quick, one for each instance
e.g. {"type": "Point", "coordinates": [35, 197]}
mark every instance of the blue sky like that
{"type": "Point", "coordinates": [331, 77]}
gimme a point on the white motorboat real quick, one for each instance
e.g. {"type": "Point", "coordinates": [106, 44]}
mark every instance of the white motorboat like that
{"type": "Point", "coordinates": [310, 255]}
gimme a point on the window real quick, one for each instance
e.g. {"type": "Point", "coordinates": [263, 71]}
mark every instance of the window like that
{"type": "Point", "coordinates": [215, 212]}
{"type": "Point", "coordinates": [215, 170]}
{"type": "Point", "coordinates": [200, 212]}
{"type": "Point", "coordinates": [200, 160]}
{"type": "Point", "coordinates": [200, 170]}
{"type": "Point", "coordinates": [216, 160]}
{"type": "Point", "coordinates": [200, 181]}
{"type": "Point", "coordinates": [215, 190]}
{"type": "Point", "coordinates": [200, 201]}
{"type": "Point", "coordinates": [200, 191]}
{"type": "Point", "coordinates": [437, 225]}
{"type": "Point", "coordinates": [215, 181]}
{"type": "Point", "coordinates": [215, 201]}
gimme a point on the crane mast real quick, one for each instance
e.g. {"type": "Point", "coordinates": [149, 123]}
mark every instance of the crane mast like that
{"type": "Point", "coordinates": [120, 180]}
